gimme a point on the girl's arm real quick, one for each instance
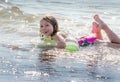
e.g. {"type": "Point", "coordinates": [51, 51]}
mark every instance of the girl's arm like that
{"type": "Point", "coordinates": [60, 40]}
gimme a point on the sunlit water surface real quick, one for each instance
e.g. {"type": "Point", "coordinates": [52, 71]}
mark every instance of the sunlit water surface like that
{"type": "Point", "coordinates": [20, 61]}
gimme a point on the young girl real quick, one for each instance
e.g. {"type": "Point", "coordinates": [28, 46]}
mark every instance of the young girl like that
{"type": "Point", "coordinates": [51, 34]}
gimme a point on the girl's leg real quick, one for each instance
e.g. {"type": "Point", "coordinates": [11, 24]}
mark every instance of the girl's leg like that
{"type": "Point", "coordinates": [96, 31]}
{"type": "Point", "coordinates": [111, 35]}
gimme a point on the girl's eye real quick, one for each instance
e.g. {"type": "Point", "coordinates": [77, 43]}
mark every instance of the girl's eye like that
{"type": "Point", "coordinates": [41, 26]}
{"type": "Point", "coordinates": [47, 25]}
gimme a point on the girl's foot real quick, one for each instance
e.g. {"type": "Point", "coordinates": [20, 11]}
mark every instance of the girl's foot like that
{"type": "Point", "coordinates": [95, 28]}
{"type": "Point", "coordinates": [101, 24]}
{"type": "Point", "coordinates": [97, 19]}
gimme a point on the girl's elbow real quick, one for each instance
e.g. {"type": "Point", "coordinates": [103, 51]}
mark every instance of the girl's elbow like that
{"type": "Point", "coordinates": [62, 46]}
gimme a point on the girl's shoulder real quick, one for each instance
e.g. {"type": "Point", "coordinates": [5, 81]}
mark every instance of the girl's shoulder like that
{"type": "Point", "coordinates": [60, 34]}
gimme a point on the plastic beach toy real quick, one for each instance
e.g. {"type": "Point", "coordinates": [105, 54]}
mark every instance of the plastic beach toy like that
{"type": "Point", "coordinates": [72, 47]}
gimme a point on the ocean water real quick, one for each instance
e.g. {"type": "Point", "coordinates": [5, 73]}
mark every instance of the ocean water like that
{"type": "Point", "coordinates": [22, 61]}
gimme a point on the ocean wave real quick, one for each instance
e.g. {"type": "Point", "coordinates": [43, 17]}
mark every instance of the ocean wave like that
{"type": "Point", "coordinates": [15, 13]}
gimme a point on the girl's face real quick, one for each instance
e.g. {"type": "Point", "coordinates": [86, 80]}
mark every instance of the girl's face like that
{"type": "Point", "coordinates": [46, 28]}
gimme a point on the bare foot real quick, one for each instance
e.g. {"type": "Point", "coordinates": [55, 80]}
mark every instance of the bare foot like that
{"type": "Point", "coordinates": [101, 24]}
{"type": "Point", "coordinates": [97, 19]}
{"type": "Point", "coordinates": [95, 28]}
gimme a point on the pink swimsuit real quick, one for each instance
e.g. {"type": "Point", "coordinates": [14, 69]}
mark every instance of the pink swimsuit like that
{"type": "Point", "coordinates": [85, 41]}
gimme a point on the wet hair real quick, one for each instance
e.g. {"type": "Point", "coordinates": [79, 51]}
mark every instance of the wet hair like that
{"type": "Point", "coordinates": [53, 22]}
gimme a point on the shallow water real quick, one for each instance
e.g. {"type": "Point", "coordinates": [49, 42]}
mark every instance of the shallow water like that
{"type": "Point", "coordinates": [21, 61]}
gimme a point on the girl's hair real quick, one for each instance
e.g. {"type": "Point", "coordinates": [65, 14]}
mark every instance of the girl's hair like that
{"type": "Point", "coordinates": [53, 22]}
